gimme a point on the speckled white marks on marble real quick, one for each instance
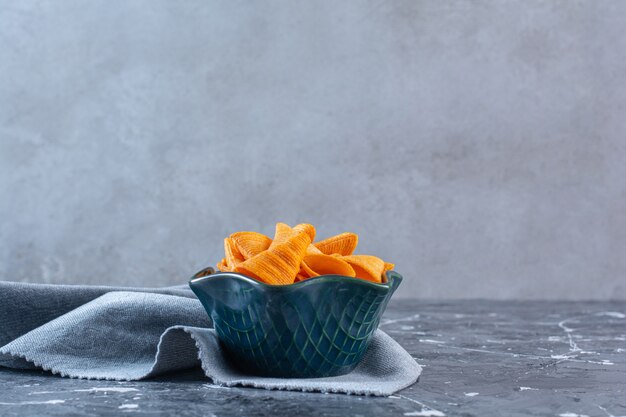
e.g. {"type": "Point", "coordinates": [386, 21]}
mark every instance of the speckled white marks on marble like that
{"type": "Point", "coordinates": [425, 413]}
{"type": "Point", "coordinates": [407, 318]}
{"type": "Point", "coordinates": [95, 389]}
{"type": "Point", "coordinates": [523, 356]}
{"type": "Point", "coordinates": [614, 314]}
{"type": "Point", "coordinates": [108, 389]}
{"type": "Point", "coordinates": [35, 402]}
{"type": "Point", "coordinates": [211, 386]}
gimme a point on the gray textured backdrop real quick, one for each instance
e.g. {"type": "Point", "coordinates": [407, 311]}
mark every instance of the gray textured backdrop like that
{"type": "Point", "coordinates": [479, 145]}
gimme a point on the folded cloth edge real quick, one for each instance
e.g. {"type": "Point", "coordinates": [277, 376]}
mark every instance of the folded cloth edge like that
{"type": "Point", "coordinates": [201, 347]}
{"type": "Point", "coordinates": [332, 384]}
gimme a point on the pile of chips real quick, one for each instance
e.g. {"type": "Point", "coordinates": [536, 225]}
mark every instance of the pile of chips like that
{"type": "Point", "coordinates": [293, 255]}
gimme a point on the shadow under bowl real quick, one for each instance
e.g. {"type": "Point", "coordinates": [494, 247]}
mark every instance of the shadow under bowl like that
{"type": "Point", "coordinates": [314, 328]}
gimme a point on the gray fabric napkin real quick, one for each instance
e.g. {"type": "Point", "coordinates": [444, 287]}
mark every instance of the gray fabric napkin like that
{"type": "Point", "coordinates": [135, 333]}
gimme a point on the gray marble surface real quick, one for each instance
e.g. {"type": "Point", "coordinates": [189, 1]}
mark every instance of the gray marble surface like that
{"type": "Point", "coordinates": [480, 358]}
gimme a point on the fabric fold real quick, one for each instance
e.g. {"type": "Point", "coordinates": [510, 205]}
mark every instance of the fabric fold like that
{"type": "Point", "coordinates": [131, 334]}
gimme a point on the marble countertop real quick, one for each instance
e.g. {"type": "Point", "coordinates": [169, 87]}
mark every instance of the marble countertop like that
{"type": "Point", "coordinates": [480, 358]}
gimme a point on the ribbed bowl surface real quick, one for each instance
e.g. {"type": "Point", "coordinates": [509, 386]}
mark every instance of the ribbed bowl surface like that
{"type": "Point", "coordinates": [314, 328]}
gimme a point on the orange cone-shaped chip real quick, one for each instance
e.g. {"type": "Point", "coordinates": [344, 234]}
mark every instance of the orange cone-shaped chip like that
{"type": "Point", "coordinates": [233, 256]}
{"type": "Point", "coordinates": [250, 244]}
{"type": "Point", "coordinates": [280, 263]}
{"type": "Point", "coordinates": [221, 266]}
{"type": "Point", "coordinates": [321, 264]}
{"type": "Point", "coordinates": [301, 277]}
{"type": "Point", "coordinates": [306, 228]}
{"type": "Point", "coordinates": [312, 250]}
{"type": "Point", "coordinates": [343, 244]}
{"type": "Point", "coordinates": [366, 267]}
{"type": "Point", "coordinates": [303, 274]}
{"type": "Point", "coordinates": [284, 232]}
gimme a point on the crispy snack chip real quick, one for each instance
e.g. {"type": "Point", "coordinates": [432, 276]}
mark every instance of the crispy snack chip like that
{"type": "Point", "coordinates": [367, 267]}
{"type": "Point", "coordinates": [292, 256]}
{"type": "Point", "coordinates": [221, 265]}
{"type": "Point", "coordinates": [301, 277]}
{"type": "Point", "coordinates": [322, 264]}
{"type": "Point", "coordinates": [233, 256]}
{"type": "Point", "coordinates": [284, 232]}
{"type": "Point", "coordinates": [280, 263]}
{"type": "Point", "coordinates": [306, 228]}
{"type": "Point", "coordinates": [343, 244]}
{"type": "Point", "coordinates": [312, 250]}
{"type": "Point", "coordinates": [250, 244]}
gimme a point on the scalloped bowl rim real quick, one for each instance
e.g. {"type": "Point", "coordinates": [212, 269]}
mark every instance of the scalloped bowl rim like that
{"type": "Point", "coordinates": [389, 275]}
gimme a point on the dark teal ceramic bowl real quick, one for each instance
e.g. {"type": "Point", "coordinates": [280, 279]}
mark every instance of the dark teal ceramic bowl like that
{"type": "Point", "coordinates": [314, 328]}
